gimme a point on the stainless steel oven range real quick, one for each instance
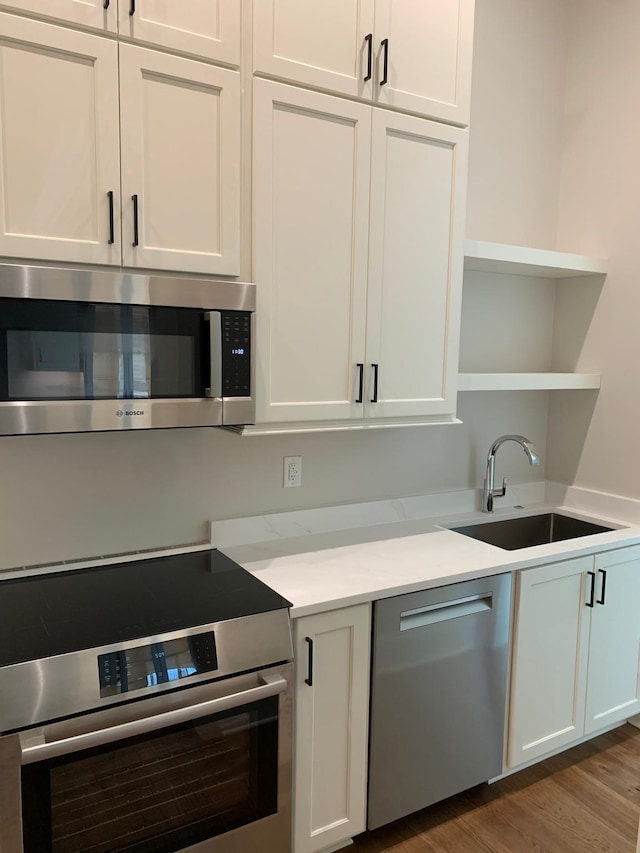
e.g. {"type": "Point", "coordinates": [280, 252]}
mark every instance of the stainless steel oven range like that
{"type": "Point", "coordinates": [145, 706]}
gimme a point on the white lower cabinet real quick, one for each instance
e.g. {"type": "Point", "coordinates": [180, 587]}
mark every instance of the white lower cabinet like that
{"type": "Point", "coordinates": [613, 676]}
{"type": "Point", "coordinates": [331, 733]}
{"type": "Point", "coordinates": [576, 651]}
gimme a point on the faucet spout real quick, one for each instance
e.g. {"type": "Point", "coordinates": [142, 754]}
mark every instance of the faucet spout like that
{"type": "Point", "coordinates": [490, 492]}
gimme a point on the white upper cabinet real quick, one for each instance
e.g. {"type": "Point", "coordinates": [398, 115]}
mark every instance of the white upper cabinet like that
{"type": "Point", "coordinates": [205, 28]}
{"type": "Point", "coordinates": [408, 55]}
{"type": "Point", "coordinates": [311, 209]}
{"type": "Point", "coordinates": [322, 43]}
{"type": "Point", "coordinates": [427, 54]}
{"type": "Point", "coordinates": [59, 145]}
{"type": "Point", "coordinates": [358, 260]}
{"type": "Point", "coordinates": [96, 14]}
{"type": "Point", "coordinates": [69, 117]}
{"type": "Point", "coordinates": [180, 163]}
{"type": "Point", "coordinates": [418, 187]}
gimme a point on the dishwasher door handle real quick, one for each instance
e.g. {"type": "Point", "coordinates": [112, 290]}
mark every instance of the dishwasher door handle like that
{"type": "Point", "coordinates": [445, 610]}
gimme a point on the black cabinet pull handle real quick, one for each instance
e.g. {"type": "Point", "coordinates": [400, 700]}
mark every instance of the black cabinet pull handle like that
{"type": "Point", "coordinates": [132, 7]}
{"type": "Point", "coordinates": [309, 680]}
{"type": "Point", "coordinates": [374, 399]}
{"type": "Point", "coordinates": [592, 593]}
{"type": "Point", "coordinates": [112, 235]}
{"type": "Point", "coordinates": [360, 382]}
{"type": "Point", "coordinates": [134, 199]}
{"type": "Point", "coordinates": [385, 62]}
{"type": "Point", "coordinates": [106, 4]}
{"type": "Point", "coordinates": [369, 39]}
{"type": "Point", "coordinates": [604, 586]}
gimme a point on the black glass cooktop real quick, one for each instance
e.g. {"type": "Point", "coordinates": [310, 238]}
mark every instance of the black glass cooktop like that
{"type": "Point", "coordinates": [46, 615]}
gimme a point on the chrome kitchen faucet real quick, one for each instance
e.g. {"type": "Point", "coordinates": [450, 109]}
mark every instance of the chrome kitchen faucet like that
{"type": "Point", "coordinates": [490, 492]}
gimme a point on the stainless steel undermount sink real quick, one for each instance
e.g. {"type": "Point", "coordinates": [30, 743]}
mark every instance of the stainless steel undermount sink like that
{"type": "Point", "coordinates": [526, 531]}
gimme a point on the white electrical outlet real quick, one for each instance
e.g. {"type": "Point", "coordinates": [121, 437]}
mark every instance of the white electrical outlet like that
{"type": "Point", "coordinates": [292, 471]}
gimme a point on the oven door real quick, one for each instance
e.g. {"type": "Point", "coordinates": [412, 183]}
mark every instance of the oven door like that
{"type": "Point", "coordinates": [203, 768]}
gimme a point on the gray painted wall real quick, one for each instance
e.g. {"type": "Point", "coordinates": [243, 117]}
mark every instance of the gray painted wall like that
{"type": "Point", "coordinates": [75, 496]}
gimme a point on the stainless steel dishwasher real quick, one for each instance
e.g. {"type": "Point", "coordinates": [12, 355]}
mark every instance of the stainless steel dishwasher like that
{"type": "Point", "coordinates": [439, 677]}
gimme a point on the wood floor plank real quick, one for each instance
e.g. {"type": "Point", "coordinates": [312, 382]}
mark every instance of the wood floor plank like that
{"type": "Point", "coordinates": [610, 807]}
{"type": "Point", "coordinates": [584, 800]}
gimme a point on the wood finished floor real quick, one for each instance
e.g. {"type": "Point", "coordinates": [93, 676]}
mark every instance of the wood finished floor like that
{"type": "Point", "coordinates": [586, 800]}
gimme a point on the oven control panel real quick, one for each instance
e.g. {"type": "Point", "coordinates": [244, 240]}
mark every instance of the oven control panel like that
{"type": "Point", "coordinates": [156, 663]}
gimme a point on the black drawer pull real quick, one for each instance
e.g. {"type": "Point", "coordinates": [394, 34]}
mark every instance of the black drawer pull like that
{"type": "Point", "coordinates": [112, 235]}
{"type": "Point", "coordinates": [369, 39]}
{"type": "Point", "coordinates": [592, 593]}
{"type": "Point", "coordinates": [132, 7]}
{"type": "Point", "coordinates": [374, 399]}
{"type": "Point", "coordinates": [360, 382]}
{"type": "Point", "coordinates": [136, 235]}
{"type": "Point", "coordinates": [309, 680]}
{"type": "Point", "coordinates": [604, 586]}
{"type": "Point", "coordinates": [385, 62]}
{"type": "Point", "coordinates": [106, 4]}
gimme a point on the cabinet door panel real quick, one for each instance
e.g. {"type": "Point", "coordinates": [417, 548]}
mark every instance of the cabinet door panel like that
{"type": "Point", "coordinates": [613, 685]}
{"type": "Point", "coordinates": [87, 13]}
{"type": "Point", "coordinates": [548, 679]}
{"type": "Point", "coordinates": [331, 727]}
{"type": "Point", "coordinates": [418, 173]}
{"type": "Point", "coordinates": [59, 145]}
{"type": "Point", "coordinates": [321, 44]}
{"type": "Point", "coordinates": [429, 61]}
{"type": "Point", "coordinates": [311, 202]}
{"type": "Point", "coordinates": [181, 157]}
{"type": "Point", "coordinates": [206, 28]}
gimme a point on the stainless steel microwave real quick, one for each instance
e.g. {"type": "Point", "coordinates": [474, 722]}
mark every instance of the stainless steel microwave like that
{"type": "Point", "coordinates": [84, 350]}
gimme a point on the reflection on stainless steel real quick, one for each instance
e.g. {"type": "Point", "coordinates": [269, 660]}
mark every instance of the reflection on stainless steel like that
{"type": "Point", "coordinates": [39, 749]}
{"type": "Point", "coordinates": [439, 677]}
{"type": "Point", "coordinates": [67, 369]}
{"type": "Point", "coordinates": [29, 748]}
{"type": "Point", "coordinates": [215, 352]}
{"type": "Point", "coordinates": [180, 739]}
{"type": "Point", "coordinates": [78, 285]}
{"type": "Point", "coordinates": [55, 687]}
{"type": "Point", "coordinates": [99, 415]}
{"type": "Point", "coordinates": [490, 492]}
{"type": "Point", "coordinates": [531, 530]}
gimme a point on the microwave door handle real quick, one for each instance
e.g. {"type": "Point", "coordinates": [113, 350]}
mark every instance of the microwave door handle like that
{"type": "Point", "coordinates": [214, 319]}
{"type": "Point", "coordinates": [40, 750]}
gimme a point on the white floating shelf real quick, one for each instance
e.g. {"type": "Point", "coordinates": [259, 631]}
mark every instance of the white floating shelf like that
{"type": "Point", "coordinates": [527, 381]}
{"type": "Point", "coordinates": [519, 260]}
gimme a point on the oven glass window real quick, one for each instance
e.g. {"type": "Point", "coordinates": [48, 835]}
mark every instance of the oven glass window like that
{"type": "Point", "coordinates": [56, 350]}
{"type": "Point", "coordinates": [157, 793]}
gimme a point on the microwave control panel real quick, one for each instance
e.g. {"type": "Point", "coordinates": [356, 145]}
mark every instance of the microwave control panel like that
{"type": "Point", "coordinates": [236, 353]}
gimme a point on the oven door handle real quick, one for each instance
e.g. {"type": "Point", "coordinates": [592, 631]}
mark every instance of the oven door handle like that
{"type": "Point", "coordinates": [37, 749]}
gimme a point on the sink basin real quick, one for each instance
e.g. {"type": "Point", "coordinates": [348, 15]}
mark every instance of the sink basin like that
{"type": "Point", "coordinates": [514, 533]}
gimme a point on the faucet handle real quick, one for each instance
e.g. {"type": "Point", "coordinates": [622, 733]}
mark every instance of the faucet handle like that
{"type": "Point", "coordinates": [500, 493]}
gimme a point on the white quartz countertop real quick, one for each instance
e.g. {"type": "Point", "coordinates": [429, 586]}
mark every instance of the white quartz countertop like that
{"type": "Point", "coordinates": [325, 571]}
